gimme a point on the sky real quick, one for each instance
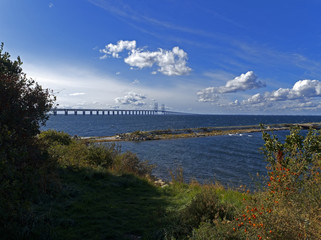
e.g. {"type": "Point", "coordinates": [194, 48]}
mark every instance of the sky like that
{"type": "Point", "coordinates": [209, 57]}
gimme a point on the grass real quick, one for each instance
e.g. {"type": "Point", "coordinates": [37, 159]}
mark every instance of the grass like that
{"type": "Point", "coordinates": [101, 193]}
{"type": "Point", "coordinates": [104, 206]}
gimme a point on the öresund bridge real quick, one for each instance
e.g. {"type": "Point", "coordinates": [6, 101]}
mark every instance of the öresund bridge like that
{"type": "Point", "coordinates": [74, 111]}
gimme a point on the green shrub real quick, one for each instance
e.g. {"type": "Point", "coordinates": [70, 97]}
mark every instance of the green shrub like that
{"type": "Point", "coordinates": [290, 206]}
{"type": "Point", "coordinates": [51, 137]}
{"type": "Point", "coordinates": [128, 162]}
{"type": "Point", "coordinates": [207, 206]}
{"type": "Point", "coordinates": [24, 163]}
{"type": "Point", "coordinates": [100, 155]}
{"type": "Point", "coordinates": [76, 153]}
{"type": "Point", "coordinates": [204, 215]}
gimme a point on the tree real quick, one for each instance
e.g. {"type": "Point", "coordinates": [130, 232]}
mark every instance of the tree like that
{"type": "Point", "coordinates": [24, 105]}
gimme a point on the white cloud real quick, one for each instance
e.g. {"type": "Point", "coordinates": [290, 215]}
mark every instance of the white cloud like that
{"type": "Point", "coordinates": [207, 95]}
{"type": "Point", "coordinates": [243, 82]}
{"type": "Point", "coordinates": [114, 49]}
{"type": "Point", "coordinates": [131, 98]}
{"type": "Point", "coordinates": [77, 94]}
{"type": "Point", "coordinates": [51, 5]}
{"type": "Point", "coordinates": [170, 62]}
{"type": "Point", "coordinates": [302, 90]}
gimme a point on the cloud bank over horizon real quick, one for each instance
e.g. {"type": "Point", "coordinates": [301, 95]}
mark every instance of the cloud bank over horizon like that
{"type": "Point", "coordinates": [303, 90]}
{"type": "Point", "coordinates": [170, 62]}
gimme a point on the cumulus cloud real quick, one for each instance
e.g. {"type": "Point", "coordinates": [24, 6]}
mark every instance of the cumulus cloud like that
{"type": "Point", "coordinates": [207, 95]}
{"type": "Point", "coordinates": [115, 49]}
{"type": "Point", "coordinates": [301, 90]}
{"type": "Point", "coordinates": [170, 62]}
{"type": "Point", "coordinates": [243, 82]}
{"type": "Point", "coordinates": [131, 98]}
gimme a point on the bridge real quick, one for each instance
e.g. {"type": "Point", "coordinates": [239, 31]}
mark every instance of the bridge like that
{"type": "Point", "coordinates": [74, 111]}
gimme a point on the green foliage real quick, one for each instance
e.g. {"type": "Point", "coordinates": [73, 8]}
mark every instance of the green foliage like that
{"type": "Point", "coordinates": [128, 162]}
{"type": "Point", "coordinates": [77, 154]}
{"type": "Point", "coordinates": [290, 206]}
{"type": "Point", "coordinates": [207, 212]}
{"type": "Point", "coordinates": [7, 66]}
{"type": "Point", "coordinates": [52, 137]}
{"type": "Point", "coordinates": [24, 164]}
{"type": "Point", "coordinates": [206, 206]}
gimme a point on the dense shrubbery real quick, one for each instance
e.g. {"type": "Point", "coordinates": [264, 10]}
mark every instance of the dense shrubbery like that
{"type": "Point", "coordinates": [23, 162]}
{"type": "Point", "coordinates": [290, 206]}
{"type": "Point", "coordinates": [77, 154]}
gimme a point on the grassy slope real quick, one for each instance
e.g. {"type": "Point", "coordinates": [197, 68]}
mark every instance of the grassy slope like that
{"type": "Point", "coordinates": [104, 206]}
{"type": "Point", "coordinates": [108, 203]}
{"type": "Point", "coordinates": [96, 205]}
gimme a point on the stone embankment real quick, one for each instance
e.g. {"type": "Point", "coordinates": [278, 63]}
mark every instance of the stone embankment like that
{"type": "Point", "coordinates": [198, 132]}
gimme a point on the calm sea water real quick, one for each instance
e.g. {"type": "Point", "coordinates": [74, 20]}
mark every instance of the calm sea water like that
{"type": "Point", "coordinates": [232, 160]}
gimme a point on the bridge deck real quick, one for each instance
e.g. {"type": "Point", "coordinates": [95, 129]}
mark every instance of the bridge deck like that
{"type": "Point", "coordinates": [67, 111]}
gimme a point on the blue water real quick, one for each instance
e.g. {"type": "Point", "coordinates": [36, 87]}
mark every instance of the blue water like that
{"type": "Point", "coordinates": [110, 125]}
{"type": "Point", "coordinates": [232, 160]}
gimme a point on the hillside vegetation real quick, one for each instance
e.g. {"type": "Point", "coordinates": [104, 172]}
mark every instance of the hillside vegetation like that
{"type": "Point", "coordinates": [98, 192]}
{"type": "Point", "coordinates": [53, 186]}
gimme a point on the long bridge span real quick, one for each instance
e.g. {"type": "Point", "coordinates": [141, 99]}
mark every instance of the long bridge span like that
{"type": "Point", "coordinates": [75, 111]}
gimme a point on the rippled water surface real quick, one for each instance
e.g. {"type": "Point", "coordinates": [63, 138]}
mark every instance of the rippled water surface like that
{"type": "Point", "coordinates": [230, 159]}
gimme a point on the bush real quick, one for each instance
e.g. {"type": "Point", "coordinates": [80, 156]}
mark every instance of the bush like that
{"type": "Point", "coordinates": [206, 215]}
{"type": "Point", "coordinates": [53, 137]}
{"type": "Point", "coordinates": [207, 206]}
{"type": "Point", "coordinates": [128, 162]}
{"type": "Point", "coordinates": [290, 206]}
{"type": "Point", "coordinates": [77, 154]}
{"type": "Point", "coordinates": [24, 164]}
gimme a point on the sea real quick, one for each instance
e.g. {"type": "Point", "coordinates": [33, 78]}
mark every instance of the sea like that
{"type": "Point", "coordinates": [232, 160]}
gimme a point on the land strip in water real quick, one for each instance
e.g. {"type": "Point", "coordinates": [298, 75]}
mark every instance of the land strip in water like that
{"type": "Point", "coordinates": [198, 132]}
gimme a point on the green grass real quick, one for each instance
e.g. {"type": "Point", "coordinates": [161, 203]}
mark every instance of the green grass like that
{"type": "Point", "coordinates": [95, 204]}
{"type": "Point", "coordinates": [105, 206]}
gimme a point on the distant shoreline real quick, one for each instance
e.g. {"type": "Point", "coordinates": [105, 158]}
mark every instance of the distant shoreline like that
{"type": "Point", "coordinates": [197, 132]}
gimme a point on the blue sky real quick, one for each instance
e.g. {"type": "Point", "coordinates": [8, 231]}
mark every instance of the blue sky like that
{"type": "Point", "coordinates": [215, 57]}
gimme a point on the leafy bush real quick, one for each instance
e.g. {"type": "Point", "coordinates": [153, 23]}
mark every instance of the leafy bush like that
{"type": "Point", "coordinates": [52, 137]}
{"type": "Point", "coordinates": [24, 164]}
{"type": "Point", "coordinates": [77, 154]}
{"type": "Point", "coordinates": [205, 215]}
{"type": "Point", "coordinates": [128, 162]}
{"type": "Point", "coordinates": [207, 206]}
{"type": "Point", "coordinates": [290, 207]}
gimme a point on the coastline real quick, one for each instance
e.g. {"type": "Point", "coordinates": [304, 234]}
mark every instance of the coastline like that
{"type": "Point", "coordinates": [197, 132]}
